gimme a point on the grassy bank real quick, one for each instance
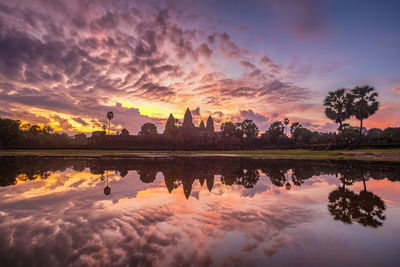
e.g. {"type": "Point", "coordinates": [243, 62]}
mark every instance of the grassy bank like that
{"type": "Point", "coordinates": [392, 155]}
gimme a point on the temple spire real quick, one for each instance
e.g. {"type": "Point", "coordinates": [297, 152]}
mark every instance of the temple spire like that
{"type": "Point", "coordinates": [202, 126]}
{"type": "Point", "coordinates": [210, 125]}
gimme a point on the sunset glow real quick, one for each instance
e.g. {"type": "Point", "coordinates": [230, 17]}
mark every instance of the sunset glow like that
{"type": "Point", "coordinates": [66, 64]}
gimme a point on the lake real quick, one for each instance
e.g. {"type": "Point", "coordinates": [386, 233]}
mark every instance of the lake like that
{"type": "Point", "coordinates": [198, 211]}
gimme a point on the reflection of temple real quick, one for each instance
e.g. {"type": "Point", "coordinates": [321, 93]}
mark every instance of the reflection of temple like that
{"type": "Point", "coordinates": [345, 205]}
{"type": "Point", "coordinates": [186, 173]}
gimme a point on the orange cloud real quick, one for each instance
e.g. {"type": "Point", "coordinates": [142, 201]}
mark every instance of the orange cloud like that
{"type": "Point", "coordinates": [396, 90]}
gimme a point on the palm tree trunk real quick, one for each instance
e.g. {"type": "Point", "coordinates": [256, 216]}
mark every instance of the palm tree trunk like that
{"type": "Point", "coordinates": [109, 127]}
{"type": "Point", "coordinates": [365, 185]}
{"type": "Point", "coordinates": [340, 131]}
{"type": "Point", "coordinates": [359, 137]}
{"type": "Point", "coordinates": [340, 127]}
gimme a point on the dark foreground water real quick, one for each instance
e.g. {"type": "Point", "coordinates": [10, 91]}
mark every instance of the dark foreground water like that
{"type": "Point", "coordinates": [198, 211]}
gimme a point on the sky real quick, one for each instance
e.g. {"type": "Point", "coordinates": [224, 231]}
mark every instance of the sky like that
{"type": "Point", "coordinates": [67, 63]}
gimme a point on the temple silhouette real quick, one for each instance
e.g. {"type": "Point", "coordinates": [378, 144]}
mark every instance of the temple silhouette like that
{"type": "Point", "coordinates": [177, 135]}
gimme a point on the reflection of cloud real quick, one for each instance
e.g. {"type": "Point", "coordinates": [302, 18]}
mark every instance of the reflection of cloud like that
{"type": "Point", "coordinates": [76, 224]}
{"type": "Point", "coordinates": [260, 187]}
{"type": "Point", "coordinates": [66, 218]}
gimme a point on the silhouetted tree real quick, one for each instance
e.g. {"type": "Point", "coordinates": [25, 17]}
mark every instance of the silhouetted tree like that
{"type": "Point", "coordinates": [375, 135]}
{"type": "Point", "coordinates": [304, 136]}
{"type": "Point", "coordinates": [34, 129]}
{"type": "Point", "coordinates": [81, 139]}
{"type": "Point", "coordinates": [249, 129]}
{"type": "Point", "coordinates": [365, 104]}
{"type": "Point", "coordinates": [350, 133]}
{"type": "Point", "coordinates": [286, 122]}
{"type": "Point", "coordinates": [9, 132]}
{"type": "Point", "coordinates": [338, 107]}
{"type": "Point", "coordinates": [275, 131]}
{"type": "Point", "coordinates": [293, 128]}
{"type": "Point", "coordinates": [228, 129]}
{"type": "Point", "coordinates": [391, 134]}
{"type": "Point", "coordinates": [148, 129]}
{"type": "Point", "coordinates": [124, 132]}
{"type": "Point", "coordinates": [110, 116]}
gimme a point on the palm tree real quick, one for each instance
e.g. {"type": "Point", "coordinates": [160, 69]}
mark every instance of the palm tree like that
{"type": "Point", "coordinates": [365, 104]}
{"type": "Point", "coordinates": [110, 116]}
{"type": "Point", "coordinates": [107, 189]}
{"type": "Point", "coordinates": [286, 122]}
{"type": "Point", "coordinates": [337, 106]}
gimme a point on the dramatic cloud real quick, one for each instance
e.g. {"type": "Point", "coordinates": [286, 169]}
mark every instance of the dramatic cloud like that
{"type": "Point", "coordinates": [256, 117]}
{"type": "Point", "coordinates": [78, 60]}
{"type": "Point", "coordinates": [80, 121]}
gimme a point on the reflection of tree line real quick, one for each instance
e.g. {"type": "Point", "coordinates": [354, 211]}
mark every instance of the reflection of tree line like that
{"type": "Point", "coordinates": [345, 205]}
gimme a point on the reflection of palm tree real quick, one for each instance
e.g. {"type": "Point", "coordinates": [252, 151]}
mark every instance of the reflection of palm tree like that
{"type": "Point", "coordinates": [341, 204]}
{"type": "Point", "coordinates": [287, 185]}
{"type": "Point", "coordinates": [107, 189]}
{"type": "Point", "coordinates": [371, 208]}
{"type": "Point", "coordinates": [365, 208]}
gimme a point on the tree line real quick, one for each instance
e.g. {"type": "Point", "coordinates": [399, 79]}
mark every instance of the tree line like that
{"type": "Point", "coordinates": [340, 105]}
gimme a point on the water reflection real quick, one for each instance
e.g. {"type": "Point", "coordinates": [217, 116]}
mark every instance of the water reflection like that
{"type": "Point", "coordinates": [107, 189]}
{"type": "Point", "coordinates": [156, 211]}
{"type": "Point", "coordinates": [364, 207]}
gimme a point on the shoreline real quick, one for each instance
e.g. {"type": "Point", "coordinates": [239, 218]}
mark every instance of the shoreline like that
{"type": "Point", "coordinates": [386, 155]}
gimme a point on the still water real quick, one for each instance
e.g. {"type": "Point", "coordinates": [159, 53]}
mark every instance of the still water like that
{"type": "Point", "coordinates": [198, 211]}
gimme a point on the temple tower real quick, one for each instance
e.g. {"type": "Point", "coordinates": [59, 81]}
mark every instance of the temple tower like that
{"type": "Point", "coordinates": [210, 125]}
{"type": "Point", "coordinates": [188, 120]}
{"type": "Point", "coordinates": [202, 127]}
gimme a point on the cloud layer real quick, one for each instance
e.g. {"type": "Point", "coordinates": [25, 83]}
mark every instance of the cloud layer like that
{"type": "Point", "coordinates": [67, 64]}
